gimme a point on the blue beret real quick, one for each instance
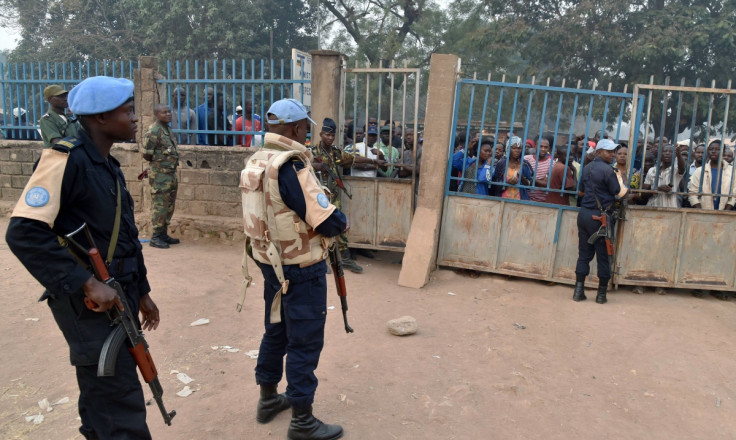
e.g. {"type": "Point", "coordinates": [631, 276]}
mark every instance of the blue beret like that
{"type": "Point", "coordinates": [99, 94]}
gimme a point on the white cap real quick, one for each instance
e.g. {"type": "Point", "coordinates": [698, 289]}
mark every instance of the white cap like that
{"type": "Point", "coordinates": [18, 112]}
{"type": "Point", "coordinates": [606, 144]}
{"type": "Point", "coordinates": [238, 109]}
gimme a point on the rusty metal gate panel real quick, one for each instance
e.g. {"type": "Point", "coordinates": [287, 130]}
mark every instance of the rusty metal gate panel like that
{"type": "Point", "coordinates": [379, 213]}
{"type": "Point", "coordinates": [678, 248]}
{"type": "Point", "coordinates": [381, 208]}
{"type": "Point", "coordinates": [510, 237]}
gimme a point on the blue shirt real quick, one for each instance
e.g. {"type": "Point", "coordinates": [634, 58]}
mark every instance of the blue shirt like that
{"type": "Point", "coordinates": [202, 113]}
{"type": "Point", "coordinates": [599, 179]}
{"type": "Point", "coordinates": [715, 187]}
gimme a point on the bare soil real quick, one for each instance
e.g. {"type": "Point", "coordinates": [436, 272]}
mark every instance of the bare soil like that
{"type": "Point", "coordinates": [493, 358]}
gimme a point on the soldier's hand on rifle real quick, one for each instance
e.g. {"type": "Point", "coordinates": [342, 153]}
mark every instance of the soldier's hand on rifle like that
{"type": "Point", "coordinates": [102, 296]}
{"type": "Point", "coordinates": [149, 311]}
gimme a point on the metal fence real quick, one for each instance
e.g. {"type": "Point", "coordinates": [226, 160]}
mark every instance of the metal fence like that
{"type": "Point", "coordinates": [221, 102]}
{"type": "Point", "coordinates": [22, 84]}
{"type": "Point", "coordinates": [546, 118]}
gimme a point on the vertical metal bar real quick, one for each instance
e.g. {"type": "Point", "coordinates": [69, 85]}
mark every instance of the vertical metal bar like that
{"type": "Point", "coordinates": [3, 67]}
{"type": "Point", "coordinates": [467, 138]}
{"type": "Point", "coordinates": [391, 114]}
{"type": "Point", "coordinates": [646, 130]}
{"type": "Point", "coordinates": [367, 99]}
{"type": "Point", "coordinates": [380, 92]}
{"type": "Point", "coordinates": [355, 105]}
{"type": "Point", "coordinates": [725, 132]}
{"type": "Point", "coordinates": [663, 119]}
{"type": "Point", "coordinates": [341, 107]}
{"type": "Point", "coordinates": [526, 123]}
{"type": "Point", "coordinates": [675, 159]}
{"type": "Point", "coordinates": [707, 136]}
{"type": "Point", "coordinates": [692, 125]}
{"type": "Point", "coordinates": [451, 149]}
{"type": "Point", "coordinates": [414, 176]}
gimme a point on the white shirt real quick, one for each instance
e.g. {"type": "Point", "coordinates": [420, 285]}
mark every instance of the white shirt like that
{"type": "Point", "coordinates": [663, 200]}
{"type": "Point", "coordinates": [362, 150]}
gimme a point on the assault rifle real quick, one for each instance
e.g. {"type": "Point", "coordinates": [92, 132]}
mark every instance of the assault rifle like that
{"type": "Point", "coordinates": [126, 328]}
{"type": "Point", "coordinates": [605, 231]}
{"type": "Point", "coordinates": [336, 178]}
{"type": "Point", "coordinates": [342, 291]}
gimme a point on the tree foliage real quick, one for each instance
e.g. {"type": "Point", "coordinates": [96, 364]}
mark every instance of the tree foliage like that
{"type": "Point", "coordinates": [75, 30]}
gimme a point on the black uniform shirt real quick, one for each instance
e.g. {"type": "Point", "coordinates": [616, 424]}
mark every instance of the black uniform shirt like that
{"type": "Point", "coordinates": [599, 179]}
{"type": "Point", "coordinates": [88, 195]}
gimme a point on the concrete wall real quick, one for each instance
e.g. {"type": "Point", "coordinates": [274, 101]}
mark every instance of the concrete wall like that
{"type": "Point", "coordinates": [208, 203]}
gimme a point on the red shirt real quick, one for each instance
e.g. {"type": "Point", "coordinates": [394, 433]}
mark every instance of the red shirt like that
{"type": "Point", "coordinates": [555, 182]}
{"type": "Point", "coordinates": [246, 140]}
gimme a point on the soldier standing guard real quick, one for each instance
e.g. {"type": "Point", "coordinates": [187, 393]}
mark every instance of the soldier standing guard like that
{"type": "Point", "coordinates": [600, 185]}
{"type": "Point", "coordinates": [160, 150]}
{"type": "Point", "coordinates": [328, 163]}
{"type": "Point", "coordinates": [78, 182]}
{"type": "Point", "coordinates": [56, 124]}
{"type": "Point", "coordinates": [288, 224]}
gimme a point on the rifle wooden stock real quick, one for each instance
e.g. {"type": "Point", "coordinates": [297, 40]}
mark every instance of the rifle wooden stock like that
{"type": "Point", "coordinates": [603, 218]}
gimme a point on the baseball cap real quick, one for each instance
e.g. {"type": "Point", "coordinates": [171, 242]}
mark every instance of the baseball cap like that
{"type": "Point", "coordinates": [99, 94]}
{"type": "Point", "coordinates": [606, 144]}
{"type": "Point", "coordinates": [385, 128]}
{"type": "Point", "coordinates": [372, 129]}
{"type": "Point", "coordinates": [239, 109]}
{"type": "Point", "coordinates": [287, 111]}
{"type": "Point", "coordinates": [53, 90]}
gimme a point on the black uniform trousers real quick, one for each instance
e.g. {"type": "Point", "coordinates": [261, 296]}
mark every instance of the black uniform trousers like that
{"type": "Point", "coordinates": [110, 407]}
{"type": "Point", "coordinates": [300, 335]}
{"type": "Point", "coordinates": [586, 228]}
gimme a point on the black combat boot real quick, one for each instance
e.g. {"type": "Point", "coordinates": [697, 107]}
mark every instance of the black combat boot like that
{"type": "Point", "coordinates": [579, 294]}
{"type": "Point", "coordinates": [600, 298]}
{"type": "Point", "coordinates": [348, 263]}
{"type": "Point", "coordinates": [168, 239]}
{"type": "Point", "coordinates": [304, 426]}
{"type": "Point", "coordinates": [270, 404]}
{"type": "Point", "coordinates": [158, 241]}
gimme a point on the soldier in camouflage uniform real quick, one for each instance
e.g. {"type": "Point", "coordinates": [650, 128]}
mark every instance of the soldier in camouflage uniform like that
{"type": "Point", "coordinates": [55, 124]}
{"type": "Point", "coordinates": [160, 150]}
{"type": "Point", "coordinates": [328, 163]}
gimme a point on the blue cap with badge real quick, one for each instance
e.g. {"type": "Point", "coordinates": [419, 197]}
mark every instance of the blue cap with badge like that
{"type": "Point", "coordinates": [287, 111]}
{"type": "Point", "coordinates": [99, 94]}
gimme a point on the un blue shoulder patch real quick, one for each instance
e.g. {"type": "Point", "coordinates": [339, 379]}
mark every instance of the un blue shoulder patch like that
{"type": "Point", "coordinates": [37, 197]}
{"type": "Point", "coordinates": [322, 200]}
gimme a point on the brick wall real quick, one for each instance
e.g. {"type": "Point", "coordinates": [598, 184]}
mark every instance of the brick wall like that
{"type": "Point", "coordinates": [208, 203]}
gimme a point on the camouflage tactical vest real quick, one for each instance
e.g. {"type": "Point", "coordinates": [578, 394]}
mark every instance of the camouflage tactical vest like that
{"type": "Point", "coordinates": [266, 217]}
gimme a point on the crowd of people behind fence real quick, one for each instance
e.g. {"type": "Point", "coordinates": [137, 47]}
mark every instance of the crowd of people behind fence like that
{"type": "Point", "coordinates": [664, 174]}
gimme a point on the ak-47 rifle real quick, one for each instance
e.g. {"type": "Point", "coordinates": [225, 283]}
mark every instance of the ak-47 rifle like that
{"type": "Point", "coordinates": [125, 325]}
{"type": "Point", "coordinates": [336, 178]}
{"type": "Point", "coordinates": [606, 231]}
{"type": "Point", "coordinates": [342, 291]}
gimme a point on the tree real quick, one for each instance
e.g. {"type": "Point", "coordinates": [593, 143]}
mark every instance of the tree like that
{"type": "Point", "coordinates": [385, 30]}
{"type": "Point", "coordinates": [77, 30]}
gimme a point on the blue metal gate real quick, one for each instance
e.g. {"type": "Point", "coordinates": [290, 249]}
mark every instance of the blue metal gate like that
{"type": "Point", "coordinates": [526, 238]}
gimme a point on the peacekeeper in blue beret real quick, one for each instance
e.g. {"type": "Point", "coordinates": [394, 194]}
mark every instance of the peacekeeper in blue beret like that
{"type": "Point", "coordinates": [77, 181]}
{"type": "Point", "coordinates": [289, 224]}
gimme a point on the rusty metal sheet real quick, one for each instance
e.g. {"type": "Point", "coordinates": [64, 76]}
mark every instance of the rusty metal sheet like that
{"type": "Point", "coordinates": [526, 241]}
{"type": "Point", "coordinates": [469, 234]}
{"type": "Point", "coordinates": [393, 218]}
{"type": "Point", "coordinates": [361, 211]}
{"type": "Point", "coordinates": [679, 248]}
{"type": "Point", "coordinates": [707, 251]}
{"type": "Point", "coordinates": [648, 247]}
{"type": "Point", "coordinates": [379, 213]}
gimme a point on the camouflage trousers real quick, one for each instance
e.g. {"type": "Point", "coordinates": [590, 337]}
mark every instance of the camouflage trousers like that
{"type": "Point", "coordinates": [164, 186]}
{"type": "Point", "coordinates": [342, 239]}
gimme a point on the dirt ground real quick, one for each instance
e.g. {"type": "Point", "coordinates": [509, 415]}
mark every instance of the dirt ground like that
{"type": "Point", "coordinates": [493, 358]}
